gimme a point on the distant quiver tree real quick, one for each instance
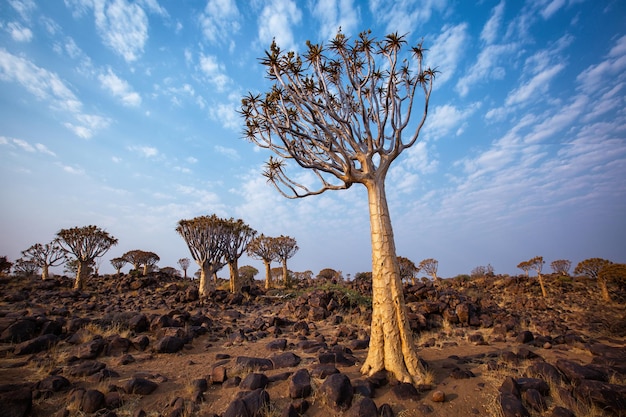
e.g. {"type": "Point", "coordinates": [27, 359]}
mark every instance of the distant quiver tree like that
{"type": "Point", "coordinates": [238, 236]}
{"type": "Point", "coordinates": [591, 269]}
{"type": "Point", "coordinates": [264, 248]}
{"type": "Point", "coordinates": [286, 247]}
{"type": "Point", "coordinates": [184, 264]}
{"type": "Point", "coordinates": [344, 112]}
{"type": "Point", "coordinates": [86, 243]}
{"type": "Point", "coordinates": [206, 239]}
{"type": "Point", "coordinates": [45, 256]}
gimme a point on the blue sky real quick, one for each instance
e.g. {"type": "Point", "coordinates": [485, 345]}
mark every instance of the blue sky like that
{"type": "Point", "coordinates": [123, 114]}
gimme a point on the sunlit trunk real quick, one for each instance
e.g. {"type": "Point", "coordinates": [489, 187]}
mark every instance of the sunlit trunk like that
{"type": "Point", "coordinates": [285, 272]}
{"type": "Point", "coordinates": [234, 276]}
{"type": "Point", "coordinates": [205, 273]}
{"type": "Point", "coordinates": [391, 341]}
{"type": "Point", "coordinates": [268, 275]}
{"type": "Point", "coordinates": [544, 293]}
{"type": "Point", "coordinates": [44, 271]}
{"type": "Point", "coordinates": [81, 275]}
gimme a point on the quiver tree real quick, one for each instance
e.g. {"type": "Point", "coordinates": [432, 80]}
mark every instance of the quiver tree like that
{"type": "Point", "coordinates": [525, 266]}
{"type": "Point", "coordinates": [184, 265]}
{"type": "Point", "coordinates": [264, 248]}
{"type": "Point", "coordinates": [429, 266]}
{"type": "Point", "coordinates": [408, 270]}
{"type": "Point", "coordinates": [150, 259]}
{"type": "Point", "coordinates": [536, 264]}
{"type": "Point", "coordinates": [134, 257]}
{"type": "Point", "coordinates": [26, 267]}
{"type": "Point", "coordinates": [561, 266]}
{"type": "Point", "coordinates": [238, 236]}
{"type": "Point", "coordinates": [206, 239]}
{"type": "Point", "coordinates": [45, 256]}
{"type": "Point", "coordinates": [343, 111]}
{"type": "Point", "coordinates": [286, 247]}
{"type": "Point", "coordinates": [86, 243]}
{"type": "Point", "coordinates": [118, 264]}
{"type": "Point", "coordinates": [591, 269]}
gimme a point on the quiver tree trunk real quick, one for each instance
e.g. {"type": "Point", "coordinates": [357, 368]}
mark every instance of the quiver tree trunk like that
{"type": "Point", "coordinates": [234, 276]}
{"type": "Point", "coordinates": [544, 293]}
{"type": "Point", "coordinates": [205, 273]}
{"type": "Point", "coordinates": [81, 275]}
{"type": "Point", "coordinates": [268, 275]}
{"type": "Point", "coordinates": [391, 340]}
{"type": "Point", "coordinates": [285, 273]}
{"type": "Point", "coordinates": [45, 271]}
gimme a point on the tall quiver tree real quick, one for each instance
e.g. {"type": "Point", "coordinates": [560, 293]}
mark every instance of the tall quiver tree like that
{"type": "Point", "coordinates": [86, 243]}
{"type": "Point", "coordinates": [344, 112]}
{"type": "Point", "coordinates": [206, 239]}
{"type": "Point", "coordinates": [150, 259]}
{"type": "Point", "coordinates": [537, 263]}
{"type": "Point", "coordinates": [286, 247]}
{"type": "Point", "coordinates": [45, 256]}
{"type": "Point", "coordinates": [264, 248]}
{"type": "Point", "coordinates": [239, 236]}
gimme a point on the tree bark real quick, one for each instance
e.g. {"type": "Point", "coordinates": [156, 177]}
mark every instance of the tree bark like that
{"type": "Point", "coordinates": [544, 293]}
{"type": "Point", "coordinates": [285, 272]}
{"type": "Point", "coordinates": [234, 276]}
{"type": "Point", "coordinates": [205, 273]}
{"type": "Point", "coordinates": [44, 272]}
{"type": "Point", "coordinates": [268, 275]}
{"type": "Point", "coordinates": [81, 275]}
{"type": "Point", "coordinates": [391, 340]}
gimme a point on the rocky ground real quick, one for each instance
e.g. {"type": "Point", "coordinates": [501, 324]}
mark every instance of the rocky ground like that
{"type": "Point", "coordinates": [149, 346]}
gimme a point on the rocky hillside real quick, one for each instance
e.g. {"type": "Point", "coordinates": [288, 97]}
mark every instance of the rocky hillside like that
{"type": "Point", "coordinates": [149, 346]}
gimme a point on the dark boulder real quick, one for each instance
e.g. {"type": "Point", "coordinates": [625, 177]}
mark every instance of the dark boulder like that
{"type": "Point", "coordinates": [16, 403]}
{"type": "Point", "coordinates": [141, 386]}
{"type": "Point", "coordinates": [169, 344]}
{"type": "Point", "coordinates": [365, 407]}
{"type": "Point", "coordinates": [38, 344]}
{"type": "Point", "coordinates": [337, 391]}
{"type": "Point", "coordinates": [285, 360]}
{"type": "Point", "coordinates": [253, 381]}
{"type": "Point", "coordinates": [300, 384]}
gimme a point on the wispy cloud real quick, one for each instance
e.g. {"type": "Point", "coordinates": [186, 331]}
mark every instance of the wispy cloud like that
{"type": "Point", "coordinates": [23, 7]}
{"type": "Point", "coordinates": [214, 71]}
{"type": "Point", "coordinates": [446, 51]}
{"type": "Point", "coordinates": [335, 14]}
{"type": "Point", "coordinates": [49, 87]}
{"type": "Point", "coordinates": [122, 26]}
{"type": "Point", "coordinates": [405, 15]}
{"type": "Point", "coordinates": [145, 151]}
{"type": "Point", "coordinates": [19, 33]}
{"type": "Point", "coordinates": [74, 170]}
{"type": "Point", "coordinates": [229, 152]}
{"type": "Point", "coordinates": [119, 88]}
{"type": "Point", "coordinates": [489, 34]}
{"type": "Point", "coordinates": [489, 65]}
{"type": "Point", "coordinates": [276, 21]}
{"type": "Point", "coordinates": [593, 79]}
{"type": "Point", "coordinates": [447, 118]}
{"type": "Point", "coordinates": [220, 21]}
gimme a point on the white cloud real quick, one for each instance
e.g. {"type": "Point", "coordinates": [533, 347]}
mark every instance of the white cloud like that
{"type": "Point", "coordinates": [550, 9]}
{"type": "Point", "coordinates": [122, 26]}
{"type": "Point", "coordinates": [593, 78]}
{"type": "Point", "coordinates": [445, 118]}
{"type": "Point", "coordinates": [487, 66]}
{"type": "Point", "coordinates": [537, 85]}
{"type": "Point", "coordinates": [276, 21]}
{"type": "Point", "coordinates": [229, 152]}
{"type": "Point", "coordinates": [49, 87]}
{"type": "Point", "coordinates": [405, 16]}
{"type": "Point", "coordinates": [227, 115]}
{"type": "Point", "coordinates": [191, 160]}
{"type": "Point", "coordinates": [23, 7]}
{"type": "Point", "coordinates": [145, 151]}
{"type": "Point", "coordinates": [74, 170]}
{"type": "Point", "coordinates": [220, 20]}
{"type": "Point", "coordinates": [119, 88]}
{"type": "Point", "coordinates": [215, 71]}
{"type": "Point", "coordinates": [489, 33]}
{"type": "Point", "coordinates": [44, 149]}
{"type": "Point", "coordinates": [446, 51]}
{"type": "Point", "coordinates": [335, 14]}
{"type": "Point", "coordinates": [19, 33]}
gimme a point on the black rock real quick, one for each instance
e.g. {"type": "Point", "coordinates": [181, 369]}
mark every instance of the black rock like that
{"type": "Point", "coordinates": [253, 381]}
{"type": "Point", "coordinates": [140, 386]}
{"type": "Point", "coordinates": [300, 384]}
{"type": "Point", "coordinates": [337, 390]}
{"type": "Point", "coordinates": [365, 407]}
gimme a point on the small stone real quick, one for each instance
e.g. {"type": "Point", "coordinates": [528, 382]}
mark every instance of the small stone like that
{"type": "Point", "coordinates": [438, 396]}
